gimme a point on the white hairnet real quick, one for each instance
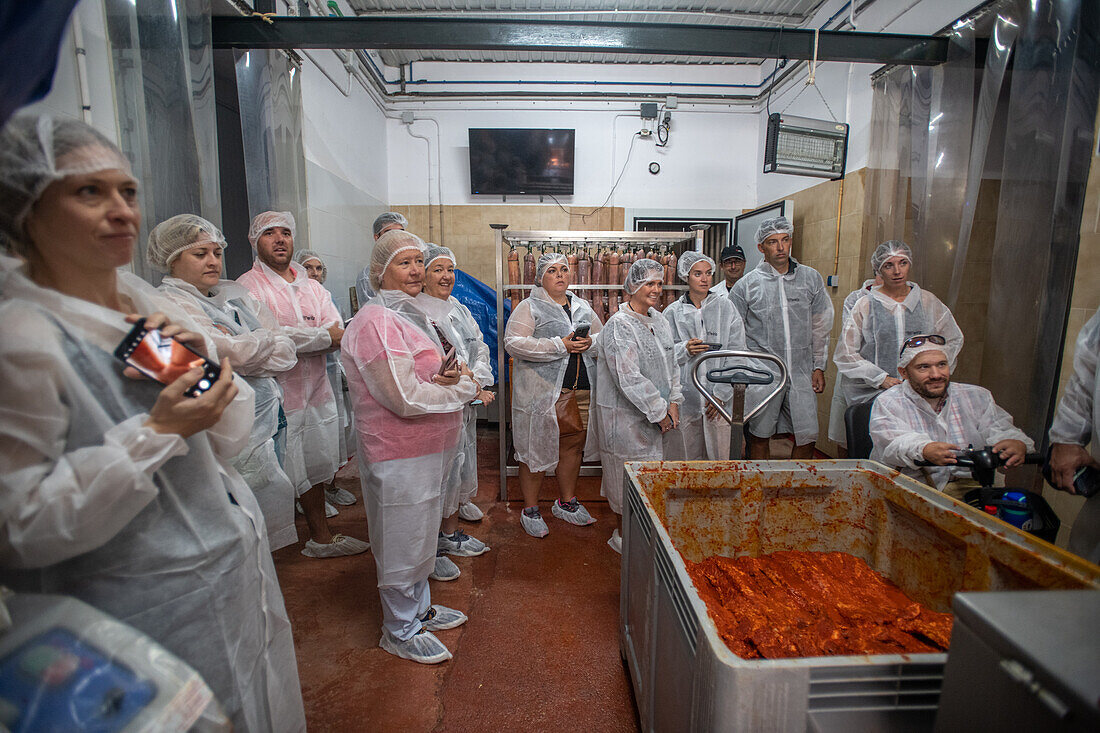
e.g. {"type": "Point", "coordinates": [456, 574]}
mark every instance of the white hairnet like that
{"type": "Point", "coordinates": [386, 248]}
{"type": "Point", "coordinates": [910, 352]}
{"type": "Point", "coordinates": [434, 252]}
{"type": "Point", "coordinates": [269, 220]}
{"type": "Point", "coordinates": [304, 255]}
{"type": "Point", "coordinates": [545, 260]}
{"type": "Point", "coordinates": [888, 249]}
{"type": "Point", "coordinates": [689, 260]}
{"type": "Point", "coordinates": [384, 220]}
{"type": "Point", "coordinates": [35, 151]}
{"type": "Point", "coordinates": [182, 232]}
{"type": "Point", "coordinates": [641, 272]}
{"type": "Point", "coordinates": [768, 227]}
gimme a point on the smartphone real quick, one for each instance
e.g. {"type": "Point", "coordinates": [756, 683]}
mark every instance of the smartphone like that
{"type": "Point", "coordinates": [450, 360]}
{"type": "Point", "coordinates": [714, 346]}
{"type": "Point", "coordinates": [164, 359]}
{"type": "Point", "coordinates": [582, 331]}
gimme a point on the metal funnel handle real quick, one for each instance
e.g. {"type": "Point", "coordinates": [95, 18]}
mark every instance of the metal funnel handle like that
{"type": "Point", "coordinates": [784, 378]}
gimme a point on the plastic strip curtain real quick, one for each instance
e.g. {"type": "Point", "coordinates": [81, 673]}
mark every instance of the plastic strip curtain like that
{"type": "Point", "coordinates": [942, 135]}
{"type": "Point", "coordinates": [270, 94]}
{"type": "Point", "coordinates": [164, 95]}
{"type": "Point", "coordinates": [1048, 141]}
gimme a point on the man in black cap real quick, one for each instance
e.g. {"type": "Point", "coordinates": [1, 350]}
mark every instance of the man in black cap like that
{"type": "Point", "coordinates": [733, 267]}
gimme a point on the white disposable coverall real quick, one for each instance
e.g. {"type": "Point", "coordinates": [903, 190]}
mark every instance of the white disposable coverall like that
{"type": "Point", "coordinates": [903, 423]}
{"type": "Point", "coordinates": [408, 430]}
{"type": "Point", "coordinates": [636, 380]}
{"type": "Point", "coordinates": [1077, 421]}
{"type": "Point", "coordinates": [838, 405]}
{"type": "Point", "coordinates": [363, 289]}
{"type": "Point", "coordinates": [156, 530]}
{"type": "Point", "coordinates": [788, 316]}
{"type": "Point", "coordinates": [244, 330]}
{"type": "Point", "coordinates": [700, 439]}
{"type": "Point", "coordinates": [461, 483]}
{"type": "Point", "coordinates": [305, 310]}
{"type": "Point", "coordinates": [533, 338]}
{"type": "Point", "coordinates": [871, 340]}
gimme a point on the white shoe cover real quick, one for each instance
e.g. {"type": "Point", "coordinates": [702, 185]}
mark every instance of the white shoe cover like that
{"type": "Point", "coordinates": [534, 526]}
{"type": "Point", "coordinates": [330, 510]}
{"type": "Point", "coordinates": [470, 512]}
{"type": "Point", "coordinates": [445, 569]}
{"type": "Point", "coordinates": [461, 544]}
{"type": "Point", "coordinates": [339, 497]}
{"type": "Point", "coordinates": [341, 546]}
{"type": "Point", "coordinates": [579, 517]}
{"type": "Point", "coordinates": [616, 542]}
{"type": "Point", "coordinates": [441, 618]}
{"type": "Point", "coordinates": [423, 648]}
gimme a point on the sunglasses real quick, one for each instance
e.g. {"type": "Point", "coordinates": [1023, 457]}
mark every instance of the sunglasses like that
{"type": "Point", "coordinates": [914, 342]}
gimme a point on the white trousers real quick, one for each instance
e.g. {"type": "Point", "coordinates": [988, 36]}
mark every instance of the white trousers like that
{"type": "Point", "coordinates": [403, 607]}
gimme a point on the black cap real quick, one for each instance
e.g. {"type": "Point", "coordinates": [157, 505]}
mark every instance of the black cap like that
{"type": "Point", "coordinates": [732, 251]}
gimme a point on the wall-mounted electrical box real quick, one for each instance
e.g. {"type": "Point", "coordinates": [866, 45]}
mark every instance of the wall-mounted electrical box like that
{"type": "Point", "coordinates": [649, 110]}
{"type": "Point", "coordinates": [802, 146]}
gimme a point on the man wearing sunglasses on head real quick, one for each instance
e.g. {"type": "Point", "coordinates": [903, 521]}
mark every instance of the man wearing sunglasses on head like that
{"type": "Point", "coordinates": [927, 418]}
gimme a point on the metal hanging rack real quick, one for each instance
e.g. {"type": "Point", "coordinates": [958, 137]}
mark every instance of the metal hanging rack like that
{"type": "Point", "coordinates": [562, 241]}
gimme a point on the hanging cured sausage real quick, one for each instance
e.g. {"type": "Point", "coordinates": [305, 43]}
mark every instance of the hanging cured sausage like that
{"type": "Point", "coordinates": [613, 280]}
{"type": "Point", "coordinates": [598, 278]}
{"type": "Point", "coordinates": [670, 278]}
{"type": "Point", "coordinates": [528, 269]}
{"type": "Point", "coordinates": [513, 274]}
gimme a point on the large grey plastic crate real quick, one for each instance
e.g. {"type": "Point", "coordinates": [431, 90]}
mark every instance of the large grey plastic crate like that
{"type": "Point", "coordinates": [686, 679]}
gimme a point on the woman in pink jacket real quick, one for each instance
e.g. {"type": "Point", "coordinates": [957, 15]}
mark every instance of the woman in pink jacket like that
{"type": "Point", "coordinates": [408, 404]}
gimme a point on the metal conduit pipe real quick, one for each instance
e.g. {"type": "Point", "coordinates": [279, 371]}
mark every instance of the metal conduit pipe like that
{"type": "Point", "coordinates": [428, 142]}
{"type": "Point", "coordinates": [630, 96]}
{"type": "Point", "coordinates": [81, 69]}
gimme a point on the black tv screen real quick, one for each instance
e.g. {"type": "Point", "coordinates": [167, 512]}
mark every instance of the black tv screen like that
{"type": "Point", "coordinates": [511, 161]}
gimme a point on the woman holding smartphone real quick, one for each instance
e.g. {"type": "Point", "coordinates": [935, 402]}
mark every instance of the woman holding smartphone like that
{"type": "Point", "coordinates": [408, 413]}
{"type": "Point", "coordinates": [116, 490]}
{"type": "Point", "coordinates": [637, 389]}
{"type": "Point", "coordinates": [243, 330]}
{"type": "Point", "coordinates": [701, 320]}
{"type": "Point", "coordinates": [550, 390]}
{"type": "Point", "coordinates": [461, 483]}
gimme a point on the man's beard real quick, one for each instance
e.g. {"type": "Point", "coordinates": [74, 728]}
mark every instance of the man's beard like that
{"type": "Point", "coordinates": [923, 391]}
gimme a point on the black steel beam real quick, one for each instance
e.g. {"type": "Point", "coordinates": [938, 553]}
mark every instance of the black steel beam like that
{"type": "Point", "coordinates": [538, 35]}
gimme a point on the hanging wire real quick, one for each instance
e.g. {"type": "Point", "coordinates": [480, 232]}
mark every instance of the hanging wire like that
{"type": "Point", "coordinates": [602, 206]}
{"type": "Point", "coordinates": [811, 81]}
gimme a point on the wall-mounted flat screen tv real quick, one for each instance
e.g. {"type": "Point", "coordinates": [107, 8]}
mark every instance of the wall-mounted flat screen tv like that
{"type": "Point", "coordinates": [513, 161]}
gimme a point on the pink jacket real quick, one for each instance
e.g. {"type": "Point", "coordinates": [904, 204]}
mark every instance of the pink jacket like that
{"type": "Point", "coordinates": [306, 310]}
{"type": "Point", "coordinates": [399, 411]}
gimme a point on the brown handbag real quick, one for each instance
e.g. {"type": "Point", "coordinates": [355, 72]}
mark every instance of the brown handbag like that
{"type": "Point", "coordinates": [567, 410]}
{"type": "Point", "coordinates": [568, 413]}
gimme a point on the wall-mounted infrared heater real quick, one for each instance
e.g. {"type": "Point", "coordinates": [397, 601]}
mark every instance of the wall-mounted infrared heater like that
{"type": "Point", "coordinates": [802, 146]}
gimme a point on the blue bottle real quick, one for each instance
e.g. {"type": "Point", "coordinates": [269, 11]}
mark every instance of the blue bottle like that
{"type": "Point", "coordinates": [1017, 516]}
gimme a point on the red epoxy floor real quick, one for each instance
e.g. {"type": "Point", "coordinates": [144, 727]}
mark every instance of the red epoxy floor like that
{"type": "Point", "coordinates": [539, 653]}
